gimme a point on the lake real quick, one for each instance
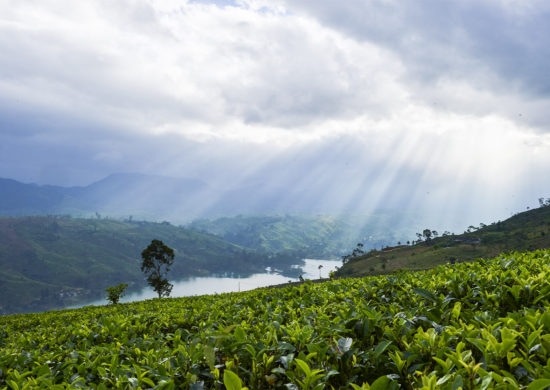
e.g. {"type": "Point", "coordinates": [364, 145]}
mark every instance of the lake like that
{"type": "Point", "coordinates": [217, 285]}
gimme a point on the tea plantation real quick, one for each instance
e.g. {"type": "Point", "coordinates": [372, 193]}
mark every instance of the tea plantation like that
{"type": "Point", "coordinates": [479, 325]}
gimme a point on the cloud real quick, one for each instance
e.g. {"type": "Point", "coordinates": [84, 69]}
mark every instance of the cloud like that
{"type": "Point", "coordinates": [497, 51]}
{"type": "Point", "coordinates": [383, 95]}
{"type": "Point", "coordinates": [258, 70]}
{"type": "Point", "coordinates": [195, 62]}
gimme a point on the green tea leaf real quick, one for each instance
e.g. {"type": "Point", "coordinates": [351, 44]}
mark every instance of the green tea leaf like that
{"type": "Point", "coordinates": [380, 348]}
{"type": "Point", "coordinates": [209, 356]}
{"type": "Point", "coordinates": [381, 383]}
{"type": "Point", "coordinates": [539, 384]}
{"type": "Point", "coordinates": [232, 380]}
{"type": "Point", "coordinates": [457, 383]}
{"type": "Point", "coordinates": [425, 294]}
{"type": "Point", "coordinates": [303, 366]}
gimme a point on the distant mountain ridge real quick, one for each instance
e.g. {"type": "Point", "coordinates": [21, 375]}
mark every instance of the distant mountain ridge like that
{"type": "Point", "coordinates": [118, 195]}
{"type": "Point", "coordinates": [182, 200]}
{"type": "Point", "coordinates": [23, 199]}
{"type": "Point", "coordinates": [158, 198]}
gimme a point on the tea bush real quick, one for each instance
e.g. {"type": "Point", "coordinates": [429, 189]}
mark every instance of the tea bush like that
{"type": "Point", "coordinates": [479, 325]}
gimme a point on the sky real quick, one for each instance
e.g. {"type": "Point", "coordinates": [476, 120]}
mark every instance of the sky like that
{"type": "Point", "coordinates": [421, 104]}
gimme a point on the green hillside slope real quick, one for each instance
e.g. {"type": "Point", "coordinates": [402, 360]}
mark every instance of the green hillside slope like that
{"type": "Point", "coordinates": [320, 236]}
{"type": "Point", "coordinates": [479, 325]}
{"type": "Point", "coordinates": [528, 230]}
{"type": "Point", "coordinates": [273, 233]}
{"type": "Point", "coordinates": [51, 262]}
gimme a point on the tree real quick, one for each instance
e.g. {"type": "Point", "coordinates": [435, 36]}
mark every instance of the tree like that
{"type": "Point", "coordinates": [157, 259]}
{"type": "Point", "coordinates": [320, 266]}
{"type": "Point", "coordinates": [427, 234]}
{"type": "Point", "coordinates": [114, 293]}
{"type": "Point", "coordinates": [357, 252]}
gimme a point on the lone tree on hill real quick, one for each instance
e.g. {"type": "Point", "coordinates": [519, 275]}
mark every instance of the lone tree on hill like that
{"type": "Point", "coordinates": [157, 259]}
{"type": "Point", "coordinates": [357, 252]}
{"type": "Point", "coordinates": [427, 234]}
{"type": "Point", "coordinates": [114, 293]}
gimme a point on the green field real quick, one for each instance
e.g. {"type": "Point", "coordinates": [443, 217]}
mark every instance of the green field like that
{"type": "Point", "coordinates": [478, 325]}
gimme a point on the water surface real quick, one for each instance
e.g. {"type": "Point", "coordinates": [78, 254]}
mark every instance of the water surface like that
{"type": "Point", "coordinates": [216, 285]}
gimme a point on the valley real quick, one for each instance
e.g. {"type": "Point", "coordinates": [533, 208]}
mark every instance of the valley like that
{"type": "Point", "coordinates": [52, 262]}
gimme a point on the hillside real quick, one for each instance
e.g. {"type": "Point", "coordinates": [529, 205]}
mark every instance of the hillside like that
{"type": "Point", "coordinates": [528, 230]}
{"type": "Point", "coordinates": [51, 262]}
{"type": "Point", "coordinates": [321, 236]}
{"type": "Point", "coordinates": [479, 325]}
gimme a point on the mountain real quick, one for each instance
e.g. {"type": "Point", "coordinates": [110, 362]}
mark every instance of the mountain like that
{"type": "Point", "coordinates": [144, 196]}
{"type": "Point", "coordinates": [52, 262]}
{"type": "Point", "coordinates": [524, 231]}
{"type": "Point", "coordinates": [182, 200]}
{"type": "Point", "coordinates": [119, 195]}
{"type": "Point", "coordinates": [18, 199]}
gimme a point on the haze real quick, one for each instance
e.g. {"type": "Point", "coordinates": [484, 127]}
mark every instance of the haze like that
{"type": "Point", "coordinates": [436, 106]}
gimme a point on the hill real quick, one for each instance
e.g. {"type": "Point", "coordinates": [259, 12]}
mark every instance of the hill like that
{"type": "Point", "coordinates": [320, 236]}
{"type": "Point", "coordinates": [479, 325]}
{"type": "Point", "coordinates": [51, 262]}
{"type": "Point", "coordinates": [528, 230]}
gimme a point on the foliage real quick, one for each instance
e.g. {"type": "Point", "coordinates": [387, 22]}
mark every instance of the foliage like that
{"type": "Point", "coordinates": [479, 325]}
{"type": "Point", "coordinates": [157, 259]}
{"type": "Point", "coordinates": [114, 293]}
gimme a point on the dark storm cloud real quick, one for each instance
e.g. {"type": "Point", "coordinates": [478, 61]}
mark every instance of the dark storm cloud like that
{"type": "Point", "coordinates": [48, 147]}
{"type": "Point", "coordinates": [441, 37]}
{"type": "Point", "coordinates": [502, 47]}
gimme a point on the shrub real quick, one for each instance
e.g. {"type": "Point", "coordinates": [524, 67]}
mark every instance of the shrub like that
{"type": "Point", "coordinates": [114, 293]}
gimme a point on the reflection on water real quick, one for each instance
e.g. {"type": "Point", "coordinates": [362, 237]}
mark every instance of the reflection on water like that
{"type": "Point", "coordinates": [216, 285]}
